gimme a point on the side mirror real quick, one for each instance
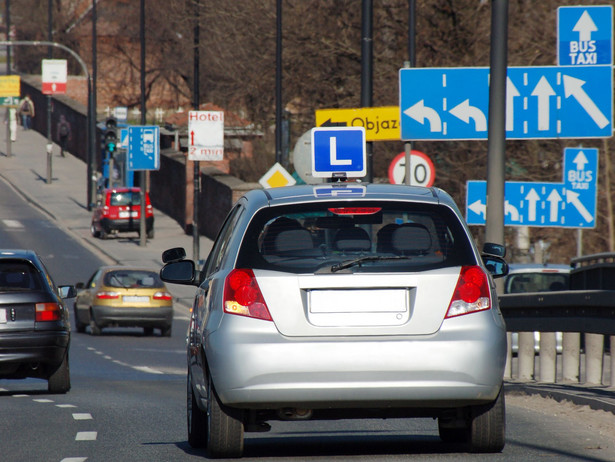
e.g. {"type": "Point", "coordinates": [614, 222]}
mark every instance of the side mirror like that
{"type": "Point", "coordinates": [67, 291]}
{"type": "Point", "coordinates": [180, 272]}
{"type": "Point", "coordinates": [497, 266]}
{"type": "Point", "coordinates": [175, 254]}
{"type": "Point", "coordinates": [494, 249]}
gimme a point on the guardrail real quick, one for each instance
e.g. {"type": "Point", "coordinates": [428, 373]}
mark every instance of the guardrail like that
{"type": "Point", "coordinates": [584, 317]}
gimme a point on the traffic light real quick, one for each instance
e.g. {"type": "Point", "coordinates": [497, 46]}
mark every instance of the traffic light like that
{"type": "Point", "coordinates": [110, 137]}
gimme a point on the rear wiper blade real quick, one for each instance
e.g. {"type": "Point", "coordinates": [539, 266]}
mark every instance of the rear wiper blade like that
{"type": "Point", "coordinates": [358, 261]}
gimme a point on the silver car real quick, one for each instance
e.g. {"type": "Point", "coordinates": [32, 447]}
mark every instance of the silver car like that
{"type": "Point", "coordinates": [344, 301]}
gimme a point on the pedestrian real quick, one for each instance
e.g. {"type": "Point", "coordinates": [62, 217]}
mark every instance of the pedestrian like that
{"type": "Point", "coordinates": [26, 110]}
{"type": "Point", "coordinates": [64, 133]}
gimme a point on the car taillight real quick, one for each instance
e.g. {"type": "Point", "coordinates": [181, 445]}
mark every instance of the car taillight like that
{"type": "Point", "coordinates": [47, 312]}
{"type": "Point", "coordinates": [107, 295]}
{"type": "Point", "coordinates": [471, 294]}
{"type": "Point", "coordinates": [242, 295]}
{"type": "Point", "coordinates": [162, 296]}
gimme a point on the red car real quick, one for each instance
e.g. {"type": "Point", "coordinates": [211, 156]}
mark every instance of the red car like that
{"type": "Point", "coordinates": [119, 210]}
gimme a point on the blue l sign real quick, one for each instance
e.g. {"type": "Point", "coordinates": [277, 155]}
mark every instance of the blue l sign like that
{"type": "Point", "coordinates": [338, 152]}
{"type": "Point", "coordinates": [584, 35]}
{"type": "Point", "coordinates": [144, 148]}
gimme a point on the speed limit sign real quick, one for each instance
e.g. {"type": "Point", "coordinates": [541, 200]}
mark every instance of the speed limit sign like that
{"type": "Point", "coordinates": [421, 168]}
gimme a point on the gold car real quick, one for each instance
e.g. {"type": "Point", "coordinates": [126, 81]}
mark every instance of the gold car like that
{"type": "Point", "coordinates": [119, 296]}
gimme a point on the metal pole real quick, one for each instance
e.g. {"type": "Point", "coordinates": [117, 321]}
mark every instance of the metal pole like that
{"type": "Point", "coordinates": [410, 63]}
{"type": "Point", "coordinates": [142, 228]}
{"type": "Point", "coordinates": [7, 23]}
{"type": "Point", "coordinates": [93, 103]}
{"type": "Point", "coordinates": [49, 55]}
{"type": "Point", "coordinates": [196, 178]}
{"type": "Point", "coordinates": [367, 58]}
{"type": "Point", "coordinates": [496, 150]}
{"type": "Point", "coordinates": [278, 83]}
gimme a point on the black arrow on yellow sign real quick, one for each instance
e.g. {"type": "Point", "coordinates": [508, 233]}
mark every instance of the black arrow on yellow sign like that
{"type": "Point", "coordinates": [330, 123]}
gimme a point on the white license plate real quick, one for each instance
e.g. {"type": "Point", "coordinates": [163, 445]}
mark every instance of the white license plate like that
{"type": "Point", "coordinates": [127, 214]}
{"type": "Point", "coordinates": [3, 319]}
{"type": "Point", "coordinates": [135, 299]}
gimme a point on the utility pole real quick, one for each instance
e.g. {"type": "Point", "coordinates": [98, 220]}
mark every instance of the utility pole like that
{"type": "Point", "coordinates": [367, 58]}
{"type": "Point", "coordinates": [196, 180]}
{"type": "Point", "coordinates": [142, 227]}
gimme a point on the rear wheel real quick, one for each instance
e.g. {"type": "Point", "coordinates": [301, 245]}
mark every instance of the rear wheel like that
{"type": "Point", "coordinates": [78, 324]}
{"type": "Point", "coordinates": [224, 428]}
{"type": "Point", "coordinates": [150, 234]}
{"type": "Point", "coordinates": [488, 426]}
{"type": "Point", "coordinates": [197, 420]}
{"type": "Point", "coordinates": [95, 233]}
{"type": "Point", "coordinates": [59, 380]}
{"type": "Point", "coordinates": [165, 331]}
{"type": "Point", "coordinates": [148, 331]}
{"type": "Point", "coordinates": [94, 328]}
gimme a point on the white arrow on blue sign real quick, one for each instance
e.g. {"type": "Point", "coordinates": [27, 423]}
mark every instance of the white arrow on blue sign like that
{"type": "Point", "coordinates": [585, 35]}
{"type": "Point", "coordinates": [571, 204]}
{"type": "Point", "coordinates": [542, 102]}
{"type": "Point", "coordinates": [338, 152]}
{"type": "Point", "coordinates": [144, 148]}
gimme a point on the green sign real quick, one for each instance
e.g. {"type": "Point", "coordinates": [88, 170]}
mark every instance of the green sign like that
{"type": "Point", "coordinates": [9, 100]}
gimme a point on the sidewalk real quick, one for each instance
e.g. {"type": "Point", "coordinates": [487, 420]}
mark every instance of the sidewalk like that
{"type": "Point", "coordinates": [65, 201]}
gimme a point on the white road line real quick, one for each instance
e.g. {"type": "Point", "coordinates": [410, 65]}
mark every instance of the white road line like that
{"type": "Point", "coordinates": [74, 459]}
{"type": "Point", "coordinates": [86, 436]}
{"type": "Point", "coordinates": [65, 405]}
{"type": "Point", "coordinates": [82, 416]}
{"type": "Point", "coordinates": [12, 224]}
{"type": "Point", "coordinates": [42, 400]}
{"type": "Point", "coordinates": [21, 396]}
{"type": "Point", "coordinates": [149, 370]}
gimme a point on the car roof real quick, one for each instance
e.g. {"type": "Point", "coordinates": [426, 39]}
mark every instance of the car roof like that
{"type": "Point", "coordinates": [24, 254]}
{"type": "Point", "coordinates": [122, 189]}
{"type": "Point", "coordinates": [258, 198]}
{"type": "Point", "coordinates": [538, 268]}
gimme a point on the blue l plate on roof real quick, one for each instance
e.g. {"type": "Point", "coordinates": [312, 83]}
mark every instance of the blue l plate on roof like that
{"type": "Point", "coordinates": [338, 152]}
{"type": "Point", "coordinates": [339, 190]}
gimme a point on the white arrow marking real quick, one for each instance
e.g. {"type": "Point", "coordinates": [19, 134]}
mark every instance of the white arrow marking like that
{"type": "Point", "coordinates": [420, 112]}
{"type": "Point", "coordinates": [580, 160]}
{"type": "Point", "coordinates": [574, 87]}
{"type": "Point", "coordinates": [512, 211]}
{"type": "Point", "coordinates": [585, 26]}
{"type": "Point", "coordinates": [543, 91]}
{"type": "Point", "coordinates": [464, 112]}
{"type": "Point", "coordinates": [554, 199]}
{"type": "Point", "coordinates": [478, 208]}
{"type": "Point", "coordinates": [573, 198]}
{"type": "Point", "coordinates": [511, 94]}
{"type": "Point", "coordinates": [532, 197]}
{"type": "Point", "coordinates": [333, 153]}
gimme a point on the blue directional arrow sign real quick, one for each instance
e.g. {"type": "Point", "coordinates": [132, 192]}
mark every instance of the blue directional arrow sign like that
{"type": "Point", "coordinates": [144, 148]}
{"type": "Point", "coordinates": [570, 204]}
{"type": "Point", "coordinates": [584, 35]}
{"type": "Point", "coordinates": [338, 152]}
{"type": "Point", "coordinates": [542, 102]}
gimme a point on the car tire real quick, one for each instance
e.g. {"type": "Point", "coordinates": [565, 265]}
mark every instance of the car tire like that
{"type": "Point", "coordinates": [224, 428]}
{"type": "Point", "coordinates": [147, 331]}
{"type": "Point", "coordinates": [150, 234]}
{"type": "Point", "coordinates": [488, 426]}
{"type": "Point", "coordinates": [78, 324]}
{"type": "Point", "coordinates": [94, 328]}
{"type": "Point", "coordinates": [197, 420]}
{"type": "Point", "coordinates": [95, 233]}
{"type": "Point", "coordinates": [165, 331]}
{"type": "Point", "coordinates": [59, 380]}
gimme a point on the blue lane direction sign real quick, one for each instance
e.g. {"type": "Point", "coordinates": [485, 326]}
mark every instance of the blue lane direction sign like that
{"type": "Point", "coordinates": [570, 204]}
{"type": "Point", "coordinates": [584, 35]}
{"type": "Point", "coordinates": [542, 102]}
{"type": "Point", "coordinates": [144, 148]}
{"type": "Point", "coordinates": [338, 152]}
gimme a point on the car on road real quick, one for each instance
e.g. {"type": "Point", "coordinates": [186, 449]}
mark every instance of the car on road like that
{"type": "Point", "coordinates": [344, 301]}
{"type": "Point", "coordinates": [536, 277]}
{"type": "Point", "coordinates": [34, 321]}
{"type": "Point", "coordinates": [118, 210]}
{"type": "Point", "coordinates": [121, 296]}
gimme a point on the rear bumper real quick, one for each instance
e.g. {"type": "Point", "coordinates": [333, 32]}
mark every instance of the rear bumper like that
{"type": "Point", "coordinates": [23, 348]}
{"type": "Point", "coordinates": [132, 316]}
{"type": "Point", "coordinates": [461, 365]}
{"type": "Point", "coordinates": [127, 224]}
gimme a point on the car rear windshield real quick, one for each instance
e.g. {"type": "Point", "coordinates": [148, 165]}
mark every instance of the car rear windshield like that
{"type": "Point", "coordinates": [391, 236]}
{"type": "Point", "coordinates": [16, 275]}
{"type": "Point", "coordinates": [125, 198]}
{"type": "Point", "coordinates": [133, 279]}
{"type": "Point", "coordinates": [536, 282]}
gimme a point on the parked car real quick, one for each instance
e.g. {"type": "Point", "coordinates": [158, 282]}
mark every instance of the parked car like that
{"type": "Point", "coordinates": [120, 296]}
{"type": "Point", "coordinates": [118, 210]}
{"type": "Point", "coordinates": [534, 277]}
{"type": "Point", "coordinates": [34, 321]}
{"type": "Point", "coordinates": [343, 301]}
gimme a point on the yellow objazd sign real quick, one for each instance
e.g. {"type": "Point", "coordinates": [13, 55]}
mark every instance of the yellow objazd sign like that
{"type": "Point", "coordinates": [9, 85]}
{"type": "Point", "coordinates": [380, 123]}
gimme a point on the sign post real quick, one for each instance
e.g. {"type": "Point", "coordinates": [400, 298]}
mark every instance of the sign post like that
{"type": "Point", "coordinates": [9, 96]}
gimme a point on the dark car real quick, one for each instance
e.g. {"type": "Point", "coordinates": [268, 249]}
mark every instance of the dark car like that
{"type": "Point", "coordinates": [34, 321]}
{"type": "Point", "coordinates": [344, 301]}
{"type": "Point", "coordinates": [118, 210]}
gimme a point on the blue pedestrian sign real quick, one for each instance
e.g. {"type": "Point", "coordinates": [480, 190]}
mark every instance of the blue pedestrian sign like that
{"type": "Point", "coordinates": [144, 148]}
{"type": "Point", "coordinates": [570, 204]}
{"type": "Point", "coordinates": [541, 102]}
{"type": "Point", "coordinates": [585, 35]}
{"type": "Point", "coordinates": [338, 152]}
